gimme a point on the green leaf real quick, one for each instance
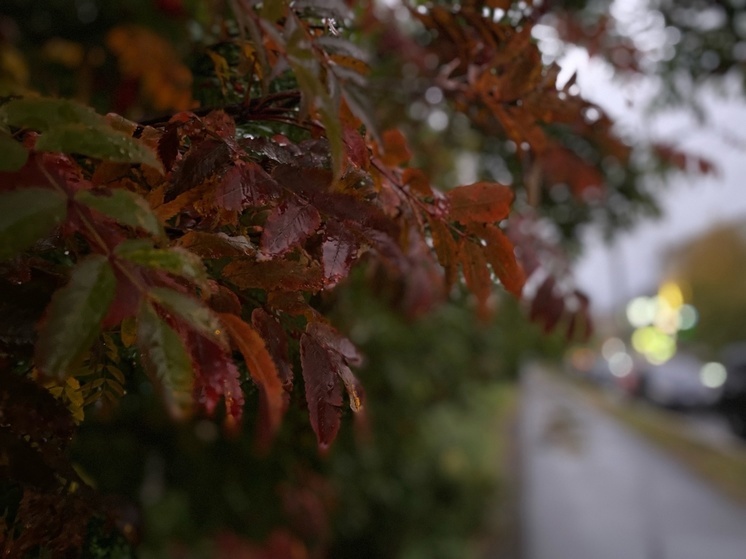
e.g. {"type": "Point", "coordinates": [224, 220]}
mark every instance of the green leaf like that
{"type": "Point", "coordinates": [13, 155]}
{"type": "Point", "coordinates": [74, 316]}
{"type": "Point", "coordinates": [101, 142]}
{"type": "Point", "coordinates": [26, 215]}
{"type": "Point", "coordinates": [42, 114]}
{"type": "Point", "coordinates": [177, 261]}
{"type": "Point", "coordinates": [165, 357]}
{"type": "Point", "coordinates": [193, 312]}
{"type": "Point", "coordinates": [128, 208]}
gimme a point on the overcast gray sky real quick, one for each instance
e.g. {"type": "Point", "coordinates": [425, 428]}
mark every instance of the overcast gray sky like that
{"type": "Point", "coordinates": [690, 204]}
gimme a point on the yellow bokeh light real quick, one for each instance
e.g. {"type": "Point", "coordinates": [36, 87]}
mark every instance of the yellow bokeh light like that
{"type": "Point", "coordinates": [671, 294]}
{"type": "Point", "coordinates": [657, 347]}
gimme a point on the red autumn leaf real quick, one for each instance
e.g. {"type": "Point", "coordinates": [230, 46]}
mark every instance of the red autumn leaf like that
{"type": "Point", "coordinates": [424, 280]}
{"type": "Point", "coordinates": [277, 343]}
{"type": "Point", "coordinates": [217, 245]}
{"type": "Point", "coordinates": [348, 208]}
{"type": "Point", "coordinates": [323, 390]}
{"type": "Point", "coordinates": [261, 367]}
{"type": "Point", "coordinates": [332, 339]}
{"type": "Point", "coordinates": [201, 162]}
{"type": "Point", "coordinates": [356, 148]}
{"type": "Point", "coordinates": [168, 145]}
{"type": "Point", "coordinates": [291, 222]}
{"type": "Point", "coordinates": [306, 181]}
{"type": "Point", "coordinates": [548, 305]}
{"type": "Point", "coordinates": [222, 299]}
{"type": "Point", "coordinates": [46, 169]}
{"type": "Point", "coordinates": [216, 377]}
{"type": "Point", "coordinates": [221, 123]}
{"type": "Point", "coordinates": [245, 185]}
{"type": "Point", "coordinates": [445, 245]}
{"type": "Point", "coordinates": [338, 252]}
{"type": "Point", "coordinates": [275, 275]}
{"type": "Point", "coordinates": [501, 256]}
{"type": "Point", "coordinates": [127, 297]}
{"type": "Point", "coordinates": [481, 202]}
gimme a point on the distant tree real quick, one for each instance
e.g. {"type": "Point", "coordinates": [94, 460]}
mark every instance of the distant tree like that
{"type": "Point", "coordinates": [712, 270]}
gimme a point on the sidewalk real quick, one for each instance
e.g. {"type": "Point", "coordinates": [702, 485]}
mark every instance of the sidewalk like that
{"type": "Point", "coordinates": [594, 490]}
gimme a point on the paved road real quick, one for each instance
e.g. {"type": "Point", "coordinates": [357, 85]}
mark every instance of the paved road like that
{"type": "Point", "coordinates": [594, 490]}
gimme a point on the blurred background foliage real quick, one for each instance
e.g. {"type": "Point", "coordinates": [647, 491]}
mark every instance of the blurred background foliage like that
{"type": "Point", "coordinates": [711, 269]}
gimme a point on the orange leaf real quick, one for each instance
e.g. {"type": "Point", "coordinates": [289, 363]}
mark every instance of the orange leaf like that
{"type": "Point", "coordinates": [417, 181]}
{"type": "Point", "coordinates": [501, 256]}
{"type": "Point", "coordinates": [481, 202]}
{"type": "Point", "coordinates": [446, 248]}
{"type": "Point", "coordinates": [395, 149]}
{"type": "Point", "coordinates": [476, 272]}
{"type": "Point", "coordinates": [261, 367]}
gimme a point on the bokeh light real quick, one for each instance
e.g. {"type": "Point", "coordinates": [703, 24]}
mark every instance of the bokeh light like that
{"type": "Point", "coordinates": [713, 375]}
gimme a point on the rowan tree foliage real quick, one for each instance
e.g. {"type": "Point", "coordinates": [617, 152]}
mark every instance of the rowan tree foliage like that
{"type": "Point", "coordinates": [184, 184]}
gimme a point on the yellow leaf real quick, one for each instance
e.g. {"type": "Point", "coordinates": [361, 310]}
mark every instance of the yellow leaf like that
{"type": "Point", "coordinates": [222, 70]}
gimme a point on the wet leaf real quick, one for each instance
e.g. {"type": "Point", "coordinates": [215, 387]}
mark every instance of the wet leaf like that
{"type": "Point", "coordinates": [476, 272]}
{"type": "Point", "coordinates": [338, 252]}
{"type": "Point", "coordinates": [26, 215]}
{"type": "Point", "coordinates": [332, 339]}
{"type": "Point", "coordinates": [245, 185]}
{"type": "Point", "coordinates": [277, 344]}
{"type": "Point", "coordinates": [168, 145]}
{"type": "Point", "coordinates": [74, 316]}
{"type": "Point", "coordinates": [216, 376]}
{"type": "Point", "coordinates": [284, 275]}
{"type": "Point", "coordinates": [166, 359]}
{"type": "Point", "coordinates": [323, 390]}
{"type": "Point", "coordinates": [177, 261]}
{"type": "Point", "coordinates": [261, 367]}
{"type": "Point", "coordinates": [500, 254]}
{"type": "Point", "coordinates": [191, 311]}
{"type": "Point", "coordinates": [352, 385]}
{"type": "Point", "coordinates": [217, 245]}
{"type": "Point", "coordinates": [101, 142]}
{"type": "Point", "coordinates": [446, 248]}
{"type": "Point", "coordinates": [289, 224]}
{"type": "Point", "coordinates": [201, 162]}
{"type": "Point", "coordinates": [124, 207]}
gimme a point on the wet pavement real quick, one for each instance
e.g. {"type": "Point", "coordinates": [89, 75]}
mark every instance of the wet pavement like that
{"type": "Point", "coordinates": [594, 490]}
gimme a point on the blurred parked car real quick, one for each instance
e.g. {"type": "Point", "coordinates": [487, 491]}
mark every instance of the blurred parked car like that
{"type": "Point", "coordinates": [733, 399]}
{"type": "Point", "coordinates": [679, 383]}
